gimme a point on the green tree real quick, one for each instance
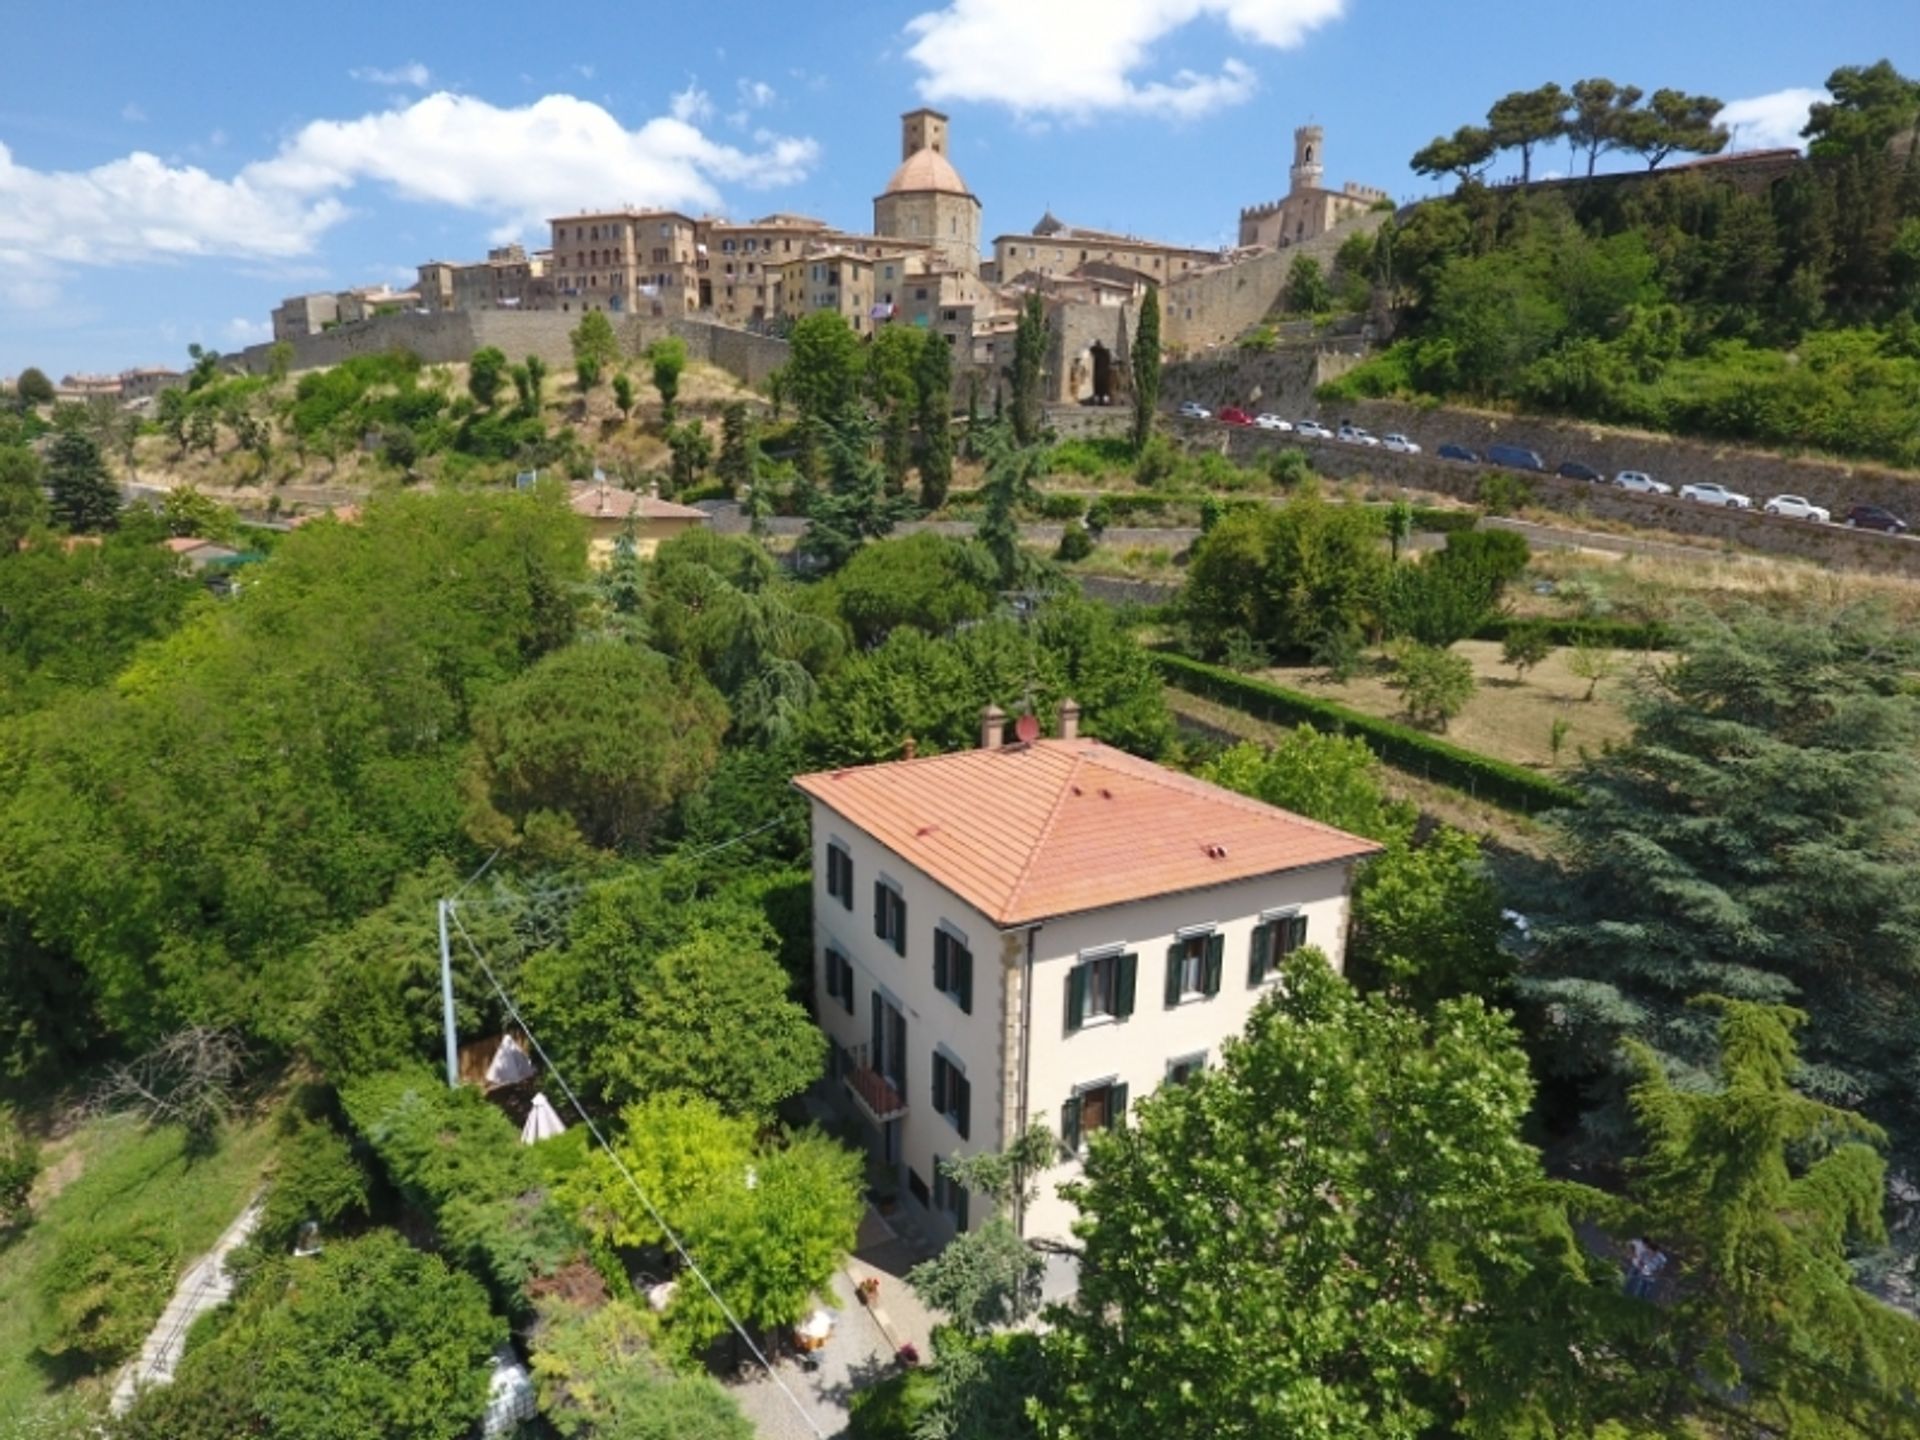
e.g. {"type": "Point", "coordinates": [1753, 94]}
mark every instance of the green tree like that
{"type": "Point", "coordinates": [1307, 291]}
{"type": "Point", "coordinates": [1593, 128]}
{"type": "Point", "coordinates": [595, 348]}
{"type": "Point", "coordinates": [1525, 646]}
{"type": "Point", "coordinates": [19, 1168]}
{"type": "Point", "coordinates": [371, 1338]}
{"type": "Point", "coordinates": [1870, 105]}
{"type": "Point", "coordinates": [1465, 154]}
{"type": "Point", "coordinates": [532, 397]}
{"type": "Point", "coordinates": [1028, 371]}
{"type": "Point", "coordinates": [667, 359]}
{"type": "Point", "coordinates": [101, 1286]}
{"type": "Point", "coordinates": [1367, 1195]}
{"type": "Point", "coordinates": [1012, 468]}
{"type": "Point", "coordinates": [1755, 838]}
{"type": "Point", "coordinates": [316, 1179]}
{"type": "Point", "coordinates": [855, 507]}
{"type": "Point", "coordinates": [1760, 1196]}
{"type": "Point", "coordinates": [692, 451]}
{"type": "Point", "coordinates": [738, 448]}
{"type": "Point", "coordinates": [23, 503]}
{"type": "Point", "coordinates": [602, 736]}
{"type": "Point", "coordinates": [188, 511]}
{"type": "Point", "coordinates": [1435, 684]}
{"type": "Point", "coordinates": [893, 361]}
{"type": "Point", "coordinates": [824, 366]}
{"type": "Point", "coordinates": [279, 360]}
{"type": "Point", "coordinates": [928, 581]}
{"type": "Point", "coordinates": [85, 500]}
{"type": "Point", "coordinates": [1399, 526]}
{"type": "Point", "coordinates": [1673, 122]}
{"type": "Point", "coordinates": [170, 414]}
{"type": "Point", "coordinates": [623, 396]}
{"type": "Point", "coordinates": [1145, 378]}
{"type": "Point", "coordinates": [1526, 119]}
{"type": "Point", "coordinates": [933, 387]}
{"type": "Point", "coordinates": [33, 387]}
{"type": "Point", "coordinates": [205, 369]}
{"type": "Point", "coordinates": [485, 371]}
{"type": "Point", "coordinates": [601, 1378]}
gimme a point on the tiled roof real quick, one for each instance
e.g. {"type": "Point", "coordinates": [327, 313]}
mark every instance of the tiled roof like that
{"type": "Point", "coordinates": [602, 502]}
{"type": "Point", "coordinates": [1027, 832]}
{"type": "Point", "coordinates": [926, 170]}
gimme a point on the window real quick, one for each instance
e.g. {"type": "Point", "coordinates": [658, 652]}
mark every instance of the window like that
{"type": "Point", "coordinates": [953, 968]}
{"type": "Point", "coordinates": [840, 874]}
{"type": "Point", "coordinates": [890, 916]}
{"type": "Point", "coordinates": [839, 979]}
{"type": "Point", "coordinates": [1092, 1107]}
{"type": "Point", "coordinates": [1101, 988]}
{"type": "Point", "coordinates": [1193, 966]}
{"type": "Point", "coordinates": [949, 1195]}
{"type": "Point", "coordinates": [952, 1095]}
{"type": "Point", "coordinates": [1274, 938]}
{"type": "Point", "coordinates": [1186, 1067]}
{"type": "Point", "coordinates": [917, 1188]}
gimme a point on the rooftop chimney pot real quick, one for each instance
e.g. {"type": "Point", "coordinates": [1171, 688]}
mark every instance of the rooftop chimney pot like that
{"type": "Point", "coordinates": [1069, 719]}
{"type": "Point", "coordinates": [993, 727]}
{"type": "Point", "coordinates": [909, 748]}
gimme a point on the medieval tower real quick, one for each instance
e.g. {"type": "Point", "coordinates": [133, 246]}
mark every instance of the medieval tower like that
{"type": "Point", "coordinates": [926, 199]}
{"type": "Point", "coordinates": [1309, 144]}
{"type": "Point", "coordinates": [1309, 208]}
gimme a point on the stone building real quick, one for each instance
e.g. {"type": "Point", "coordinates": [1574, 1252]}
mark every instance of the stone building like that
{"type": "Point", "coordinates": [300, 315]}
{"type": "Point", "coordinates": [508, 279]}
{"type": "Point", "coordinates": [739, 262]}
{"type": "Point", "coordinates": [146, 381]}
{"type": "Point", "coordinates": [1055, 249]}
{"type": "Point", "coordinates": [626, 262]}
{"type": "Point", "coordinates": [1309, 209]}
{"type": "Point", "coordinates": [926, 200]}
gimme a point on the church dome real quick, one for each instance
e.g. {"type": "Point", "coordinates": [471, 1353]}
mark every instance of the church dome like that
{"type": "Point", "coordinates": [1050, 224]}
{"type": "Point", "coordinates": [926, 170]}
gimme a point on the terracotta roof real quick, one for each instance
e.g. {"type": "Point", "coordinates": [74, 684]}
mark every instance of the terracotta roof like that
{"type": "Point", "coordinates": [926, 170]}
{"type": "Point", "coordinates": [181, 544]}
{"type": "Point", "coordinates": [1027, 832]}
{"type": "Point", "coordinates": [604, 502]}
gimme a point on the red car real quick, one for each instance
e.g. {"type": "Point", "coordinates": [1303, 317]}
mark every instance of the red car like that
{"type": "Point", "coordinates": [1233, 415]}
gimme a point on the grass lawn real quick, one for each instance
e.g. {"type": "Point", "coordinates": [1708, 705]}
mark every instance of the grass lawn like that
{"type": "Point", "coordinates": [112, 1170]}
{"type": "Point", "coordinates": [1507, 718]}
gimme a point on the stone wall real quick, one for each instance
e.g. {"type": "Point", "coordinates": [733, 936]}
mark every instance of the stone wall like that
{"type": "Point", "coordinates": [1217, 306]}
{"type": "Point", "coordinates": [1283, 380]}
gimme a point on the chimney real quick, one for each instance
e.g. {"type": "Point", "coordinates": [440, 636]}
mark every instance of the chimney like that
{"type": "Point", "coordinates": [909, 748]}
{"type": "Point", "coordinates": [993, 728]}
{"type": "Point", "coordinates": [653, 489]}
{"type": "Point", "coordinates": [1069, 720]}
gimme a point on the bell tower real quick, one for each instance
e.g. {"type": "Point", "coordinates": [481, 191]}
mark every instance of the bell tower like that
{"type": "Point", "coordinates": [922, 130]}
{"type": "Point", "coordinates": [1309, 162]}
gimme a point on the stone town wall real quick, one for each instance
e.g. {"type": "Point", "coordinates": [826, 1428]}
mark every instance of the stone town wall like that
{"type": "Point", "coordinates": [1282, 380]}
{"type": "Point", "coordinates": [1216, 307]}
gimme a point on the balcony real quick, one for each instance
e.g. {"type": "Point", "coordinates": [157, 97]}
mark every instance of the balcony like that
{"type": "Point", "coordinates": [878, 1096]}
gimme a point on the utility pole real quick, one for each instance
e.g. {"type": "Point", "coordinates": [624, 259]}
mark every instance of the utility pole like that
{"type": "Point", "coordinates": [446, 1000]}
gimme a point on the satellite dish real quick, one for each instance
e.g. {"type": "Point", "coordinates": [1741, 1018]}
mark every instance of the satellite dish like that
{"type": "Point", "coordinates": [1026, 729]}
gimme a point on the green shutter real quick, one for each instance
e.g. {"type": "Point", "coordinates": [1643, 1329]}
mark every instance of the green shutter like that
{"type": "Point", "coordinates": [960, 1206]}
{"type": "Point", "coordinates": [940, 944]}
{"type": "Point", "coordinates": [963, 1105]}
{"type": "Point", "coordinates": [846, 880]}
{"type": "Point", "coordinates": [846, 984]}
{"type": "Point", "coordinates": [1116, 1106]}
{"type": "Point", "coordinates": [963, 966]}
{"type": "Point", "coordinates": [1123, 983]}
{"type": "Point", "coordinates": [1070, 1124]}
{"type": "Point", "coordinates": [1216, 962]}
{"type": "Point", "coordinates": [1257, 956]}
{"type": "Point", "coordinates": [1296, 932]}
{"type": "Point", "coordinates": [1076, 997]}
{"type": "Point", "coordinates": [879, 909]}
{"type": "Point", "coordinates": [899, 925]}
{"type": "Point", "coordinates": [939, 1082]}
{"type": "Point", "coordinates": [1175, 955]}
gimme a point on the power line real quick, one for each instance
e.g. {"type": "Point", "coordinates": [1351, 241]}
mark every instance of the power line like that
{"type": "Point", "coordinates": [562, 892]}
{"type": "Point", "coordinates": [594, 1129]}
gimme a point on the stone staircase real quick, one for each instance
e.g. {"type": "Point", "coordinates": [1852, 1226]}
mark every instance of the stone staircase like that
{"type": "Point", "coordinates": [205, 1285]}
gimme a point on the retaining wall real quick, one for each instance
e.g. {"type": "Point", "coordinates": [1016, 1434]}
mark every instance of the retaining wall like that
{"type": "Point", "coordinates": [1217, 306]}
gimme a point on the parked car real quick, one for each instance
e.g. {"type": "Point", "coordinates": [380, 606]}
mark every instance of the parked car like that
{"type": "Point", "coordinates": [1515, 457]}
{"type": "Point", "coordinates": [1312, 430]}
{"type": "Point", "coordinates": [1354, 435]}
{"type": "Point", "coordinates": [1398, 444]}
{"type": "Point", "coordinates": [1194, 410]}
{"type": "Point", "coordinates": [1574, 470]}
{"type": "Point", "coordinates": [1234, 415]}
{"type": "Point", "coordinates": [1798, 507]}
{"type": "Point", "coordinates": [1708, 493]}
{"type": "Point", "coordinates": [1273, 422]}
{"type": "Point", "coordinates": [1450, 451]}
{"type": "Point", "coordinates": [1641, 483]}
{"type": "Point", "coordinates": [1874, 517]}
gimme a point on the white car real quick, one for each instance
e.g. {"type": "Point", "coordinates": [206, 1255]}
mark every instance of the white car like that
{"type": "Point", "coordinates": [1354, 435]}
{"type": "Point", "coordinates": [1312, 430]}
{"type": "Point", "coordinates": [1641, 483]}
{"type": "Point", "coordinates": [1398, 444]}
{"type": "Point", "coordinates": [1798, 507]}
{"type": "Point", "coordinates": [1711, 494]}
{"type": "Point", "coordinates": [1273, 422]}
{"type": "Point", "coordinates": [1194, 410]}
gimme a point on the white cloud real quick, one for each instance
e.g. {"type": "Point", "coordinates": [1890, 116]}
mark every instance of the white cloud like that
{"type": "Point", "coordinates": [412, 75]}
{"type": "Point", "coordinates": [1770, 122]}
{"type": "Point", "coordinates": [756, 93]}
{"type": "Point", "coordinates": [1078, 57]}
{"type": "Point", "coordinates": [241, 331]}
{"type": "Point", "coordinates": [133, 114]}
{"type": "Point", "coordinates": [691, 105]}
{"type": "Point", "coordinates": [516, 165]}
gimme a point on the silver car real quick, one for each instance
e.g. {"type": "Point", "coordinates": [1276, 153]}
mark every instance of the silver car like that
{"type": "Point", "coordinates": [1641, 483]}
{"type": "Point", "coordinates": [1798, 507]}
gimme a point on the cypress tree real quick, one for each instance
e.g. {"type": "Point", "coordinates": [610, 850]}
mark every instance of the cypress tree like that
{"type": "Point", "coordinates": [1146, 369]}
{"type": "Point", "coordinates": [933, 378]}
{"type": "Point", "coordinates": [1029, 367]}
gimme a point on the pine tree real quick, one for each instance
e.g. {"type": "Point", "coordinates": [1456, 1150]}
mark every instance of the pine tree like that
{"type": "Point", "coordinates": [933, 379]}
{"type": "Point", "coordinates": [735, 466]}
{"type": "Point", "coordinates": [85, 499]}
{"type": "Point", "coordinates": [1029, 368]}
{"type": "Point", "coordinates": [1146, 369]}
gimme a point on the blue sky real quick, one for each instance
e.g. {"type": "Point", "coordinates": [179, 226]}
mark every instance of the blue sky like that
{"type": "Point", "coordinates": [168, 174]}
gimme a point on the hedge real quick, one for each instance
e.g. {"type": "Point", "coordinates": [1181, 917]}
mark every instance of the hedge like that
{"type": "Point", "coordinates": [1510, 786]}
{"type": "Point", "coordinates": [1616, 634]}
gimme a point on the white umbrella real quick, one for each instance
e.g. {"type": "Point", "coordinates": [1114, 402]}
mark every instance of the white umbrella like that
{"type": "Point", "coordinates": [543, 1122]}
{"type": "Point", "coordinates": [510, 1064]}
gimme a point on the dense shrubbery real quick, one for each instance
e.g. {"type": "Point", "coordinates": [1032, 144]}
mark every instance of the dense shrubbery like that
{"type": "Point", "coordinates": [102, 1288]}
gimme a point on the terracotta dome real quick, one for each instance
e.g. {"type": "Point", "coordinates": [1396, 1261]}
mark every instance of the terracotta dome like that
{"type": "Point", "coordinates": [926, 170]}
